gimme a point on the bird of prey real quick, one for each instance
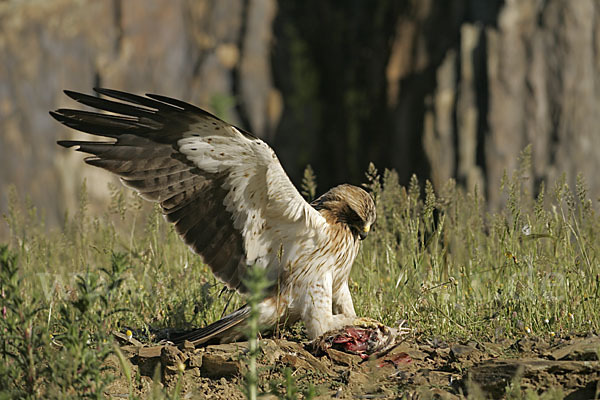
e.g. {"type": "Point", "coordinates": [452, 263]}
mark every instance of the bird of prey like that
{"type": "Point", "coordinates": [232, 203]}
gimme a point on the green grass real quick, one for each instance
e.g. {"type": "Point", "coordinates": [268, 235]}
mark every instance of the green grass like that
{"type": "Point", "coordinates": [453, 270]}
{"type": "Point", "coordinates": [436, 259]}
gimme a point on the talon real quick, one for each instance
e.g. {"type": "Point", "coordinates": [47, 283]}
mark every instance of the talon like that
{"type": "Point", "coordinates": [366, 322]}
{"type": "Point", "coordinates": [403, 330]}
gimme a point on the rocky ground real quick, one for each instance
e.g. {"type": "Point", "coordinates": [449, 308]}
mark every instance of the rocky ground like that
{"type": "Point", "coordinates": [416, 368]}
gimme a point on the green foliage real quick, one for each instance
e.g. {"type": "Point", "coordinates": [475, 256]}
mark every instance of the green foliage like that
{"type": "Point", "coordinates": [291, 390]}
{"type": "Point", "coordinates": [451, 269]}
{"type": "Point", "coordinates": [309, 184]}
{"type": "Point", "coordinates": [222, 104]}
{"type": "Point", "coordinates": [64, 292]}
{"type": "Point", "coordinates": [435, 257]}
{"type": "Point", "coordinates": [257, 283]}
{"type": "Point", "coordinates": [62, 355]}
{"type": "Point", "coordinates": [21, 336]}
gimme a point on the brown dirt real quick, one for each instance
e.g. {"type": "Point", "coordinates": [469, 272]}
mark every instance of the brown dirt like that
{"type": "Point", "coordinates": [416, 368]}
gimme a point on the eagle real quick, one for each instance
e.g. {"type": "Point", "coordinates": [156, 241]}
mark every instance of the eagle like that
{"type": "Point", "coordinates": [231, 202]}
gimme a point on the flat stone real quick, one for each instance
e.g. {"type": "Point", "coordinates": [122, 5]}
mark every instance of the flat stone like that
{"type": "Point", "coordinates": [271, 351]}
{"type": "Point", "coordinates": [494, 375]}
{"type": "Point", "coordinates": [306, 363]}
{"type": "Point", "coordinates": [461, 351]}
{"type": "Point", "coordinates": [396, 360]}
{"type": "Point", "coordinates": [495, 349]}
{"type": "Point", "coordinates": [220, 366]}
{"type": "Point", "coordinates": [295, 362]}
{"type": "Point", "coordinates": [147, 366]}
{"type": "Point", "coordinates": [343, 358]}
{"type": "Point", "coordinates": [228, 347]}
{"type": "Point", "coordinates": [187, 345]}
{"type": "Point", "coordinates": [296, 355]}
{"type": "Point", "coordinates": [122, 338]}
{"type": "Point", "coordinates": [195, 361]}
{"type": "Point", "coordinates": [413, 352]}
{"type": "Point", "coordinates": [130, 351]}
{"type": "Point", "coordinates": [440, 378]}
{"type": "Point", "coordinates": [579, 349]}
{"type": "Point", "coordinates": [149, 352]}
{"type": "Point", "coordinates": [357, 378]}
{"type": "Point", "coordinates": [171, 355]}
{"type": "Point", "coordinates": [530, 344]}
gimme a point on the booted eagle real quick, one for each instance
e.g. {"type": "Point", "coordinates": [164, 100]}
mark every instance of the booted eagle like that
{"type": "Point", "coordinates": [232, 203]}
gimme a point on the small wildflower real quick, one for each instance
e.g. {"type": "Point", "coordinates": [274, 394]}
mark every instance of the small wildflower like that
{"type": "Point", "coordinates": [181, 367]}
{"type": "Point", "coordinates": [129, 334]}
{"type": "Point", "coordinates": [547, 321]}
{"type": "Point", "coordinates": [508, 254]}
{"type": "Point", "coordinates": [571, 316]}
{"type": "Point", "coordinates": [527, 329]}
{"type": "Point", "coordinates": [552, 333]}
{"type": "Point", "coordinates": [526, 230]}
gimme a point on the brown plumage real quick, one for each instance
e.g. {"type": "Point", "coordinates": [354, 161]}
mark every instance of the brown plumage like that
{"type": "Point", "coordinates": [232, 203]}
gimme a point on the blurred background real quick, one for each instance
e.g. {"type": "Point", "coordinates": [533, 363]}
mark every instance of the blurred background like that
{"type": "Point", "coordinates": [442, 89]}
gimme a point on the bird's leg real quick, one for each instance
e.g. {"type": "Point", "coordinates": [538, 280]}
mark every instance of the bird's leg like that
{"type": "Point", "coordinates": [342, 304]}
{"type": "Point", "coordinates": [317, 306]}
{"type": "Point", "coordinates": [342, 301]}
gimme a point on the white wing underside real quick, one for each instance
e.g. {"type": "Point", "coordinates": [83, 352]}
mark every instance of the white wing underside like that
{"type": "Point", "coordinates": [272, 217]}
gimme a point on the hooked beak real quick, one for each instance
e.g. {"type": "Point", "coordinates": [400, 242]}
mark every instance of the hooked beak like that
{"type": "Point", "coordinates": [365, 231]}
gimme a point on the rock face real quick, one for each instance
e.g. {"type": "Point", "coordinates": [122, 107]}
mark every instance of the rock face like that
{"type": "Point", "coordinates": [205, 52]}
{"type": "Point", "coordinates": [444, 89]}
{"type": "Point", "coordinates": [441, 89]}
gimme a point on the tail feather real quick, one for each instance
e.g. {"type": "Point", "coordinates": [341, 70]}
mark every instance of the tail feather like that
{"type": "Point", "coordinates": [216, 330]}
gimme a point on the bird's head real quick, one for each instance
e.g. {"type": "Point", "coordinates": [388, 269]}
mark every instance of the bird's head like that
{"type": "Point", "coordinates": [349, 205]}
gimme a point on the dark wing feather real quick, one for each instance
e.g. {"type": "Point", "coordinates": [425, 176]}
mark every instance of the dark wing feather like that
{"type": "Point", "coordinates": [216, 330]}
{"type": "Point", "coordinates": [218, 185]}
{"type": "Point", "coordinates": [191, 200]}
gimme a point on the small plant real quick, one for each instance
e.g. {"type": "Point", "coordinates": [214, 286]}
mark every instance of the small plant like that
{"type": "Point", "coordinates": [221, 104]}
{"type": "Point", "coordinates": [67, 355]}
{"type": "Point", "coordinates": [257, 283]}
{"type": "Point", "coordinates": [292, 391]}
{"type": "Point", "coordinates": [309, 184]}
{"type": "Point", "coordinates": [435, 258]}
{"type": "Point", "coordinates": [83, 333]}
{"type": "Point", "coordinates": [23, 339]}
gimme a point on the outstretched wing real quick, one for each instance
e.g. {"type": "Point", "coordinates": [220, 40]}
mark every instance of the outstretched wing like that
{"type": "Point", "coordinates": [223, 188]}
